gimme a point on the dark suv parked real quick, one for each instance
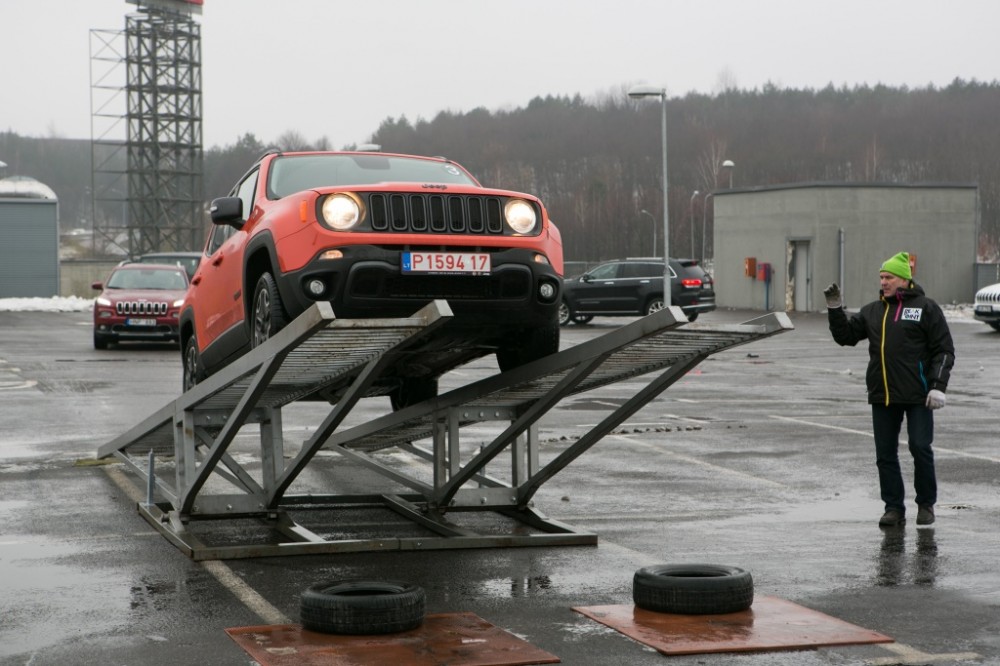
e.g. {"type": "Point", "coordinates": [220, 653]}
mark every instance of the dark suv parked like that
{"type": "Point", "coordinates": [631, 287]}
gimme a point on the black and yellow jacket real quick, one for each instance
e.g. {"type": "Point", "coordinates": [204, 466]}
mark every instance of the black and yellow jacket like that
{"type": "Point", "coordinates": [909, 345]}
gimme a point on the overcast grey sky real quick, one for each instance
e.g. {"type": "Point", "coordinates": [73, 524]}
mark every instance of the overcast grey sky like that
{"type": "Point", "coordinates": [337, 68]}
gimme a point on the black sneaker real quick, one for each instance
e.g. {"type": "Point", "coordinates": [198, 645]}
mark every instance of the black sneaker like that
{"type": "Point", "coordinates": [925, 514]}
{"type": "Point", "coordinates": [891, 518]}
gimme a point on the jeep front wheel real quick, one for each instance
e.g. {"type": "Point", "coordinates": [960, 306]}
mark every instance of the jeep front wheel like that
{"type": "Point", "coordinates": [529, 345]}
{"type": "Point", "coordinates": [268, 313]}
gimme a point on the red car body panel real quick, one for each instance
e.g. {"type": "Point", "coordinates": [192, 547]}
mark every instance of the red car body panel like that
{"type": "Point", "coordinates": [288, 238]}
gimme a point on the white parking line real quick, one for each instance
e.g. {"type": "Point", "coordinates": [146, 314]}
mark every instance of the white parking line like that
{"type": "Point", "coordinates": [868, 434]}
{"type": "Point", "coordinates": [222, 573]}
{"type": "Point", "coordinates": [700, 463]}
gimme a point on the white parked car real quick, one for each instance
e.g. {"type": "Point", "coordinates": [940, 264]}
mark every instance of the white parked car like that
{"type": "Point", "coordinates": [987, 306]}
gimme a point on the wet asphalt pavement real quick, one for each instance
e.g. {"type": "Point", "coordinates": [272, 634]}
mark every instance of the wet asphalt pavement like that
{"type": "Point", "coordinates": [760, 458]}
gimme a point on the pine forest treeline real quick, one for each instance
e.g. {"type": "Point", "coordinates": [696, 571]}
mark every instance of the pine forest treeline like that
{"type": "Point", "coordinates": [596, 163]}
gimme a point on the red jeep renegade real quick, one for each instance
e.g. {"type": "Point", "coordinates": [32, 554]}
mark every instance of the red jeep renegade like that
{"type": "Point", "coordinates": [376, 235]}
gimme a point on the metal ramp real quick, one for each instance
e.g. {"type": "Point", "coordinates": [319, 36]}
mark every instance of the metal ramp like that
{"type": "Point", "coordinates": [216, 504]}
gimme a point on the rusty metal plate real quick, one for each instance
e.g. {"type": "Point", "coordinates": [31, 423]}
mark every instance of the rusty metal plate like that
{"type": "Point", "coordinates": [456, 639]}
{"type": "Point", "coordinates": [770, 624]}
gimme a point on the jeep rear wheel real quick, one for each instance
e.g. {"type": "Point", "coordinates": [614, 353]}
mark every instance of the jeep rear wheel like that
{"type": "Point", "coordinates": [268, 313]}
{"type": "Point", "coordinates": [411, 391]}
{"type": "Point", "coordinates": [191, 364]}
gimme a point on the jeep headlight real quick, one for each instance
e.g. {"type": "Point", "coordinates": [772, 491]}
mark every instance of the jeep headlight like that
{"type": "Point", "coordinates": [520, 216]}
{"type": "Point", "coordinates": [341, 212]}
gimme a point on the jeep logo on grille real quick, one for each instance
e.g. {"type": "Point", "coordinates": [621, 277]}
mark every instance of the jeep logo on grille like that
{"type": "Point", "coordinates": [141, 308]}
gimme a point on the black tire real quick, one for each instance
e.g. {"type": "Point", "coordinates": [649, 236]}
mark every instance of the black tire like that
{"type": "Point", "coordinates": [995, 325]}
{"type": "Point", "coordinates": [193, 373]}
{"type": "Point", "coordinates": [692, 316]}
{"type": "Point", "coordinates": [362, 607]}
{"type": "Point", "coordinates": [582, 319]}
{"type": "Point", "coordinates": [565, 314]}
{"type": "Point", "coordinates": [529, 345]}
{"type": "Point", "coordinates": [100, 341]}
{"type": "Point", "coordinates": [692, 589]}
{"type": "Point", "coordinates": [412, 391]}
{"type": "Point", "coordinates": [655, 304]}
{"type": "Point", "coordinates": [267, 314]}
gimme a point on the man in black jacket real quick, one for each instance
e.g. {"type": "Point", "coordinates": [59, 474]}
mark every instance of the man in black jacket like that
{"type": "Point", "coordinates": [911, 356]}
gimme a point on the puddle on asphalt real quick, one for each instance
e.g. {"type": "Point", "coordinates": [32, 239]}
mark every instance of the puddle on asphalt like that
{"type": "Point", "coordinates": [845, 506]}
{"type": "Point", "coordinates": [46, 600]}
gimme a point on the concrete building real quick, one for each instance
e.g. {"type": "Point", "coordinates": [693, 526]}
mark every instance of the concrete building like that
{"type": "Point", "coordinates": [29, 239]}
{"type": "Point", "coordinates": [777, 248]}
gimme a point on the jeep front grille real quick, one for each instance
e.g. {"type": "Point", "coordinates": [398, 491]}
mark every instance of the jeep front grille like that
{"type": "Point", "coordinates": [140, 308]}
{"type": "Point", "coordinates": [436, 213]}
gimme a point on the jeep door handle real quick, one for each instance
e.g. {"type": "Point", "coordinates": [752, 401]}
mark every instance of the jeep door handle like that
{"type": "Point", "coordinates": [217, 260]}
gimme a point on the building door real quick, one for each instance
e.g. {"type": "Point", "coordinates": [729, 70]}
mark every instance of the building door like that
{"type": "Point", "coordinates": [799, 280]}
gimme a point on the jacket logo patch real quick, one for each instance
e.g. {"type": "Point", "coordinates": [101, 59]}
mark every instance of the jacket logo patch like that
{"type": "Point", "coordinates": [912, 314]}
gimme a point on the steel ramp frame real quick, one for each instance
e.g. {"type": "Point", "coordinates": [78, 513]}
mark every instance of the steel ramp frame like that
{"type": "Point", "coordinates": [203, 422]}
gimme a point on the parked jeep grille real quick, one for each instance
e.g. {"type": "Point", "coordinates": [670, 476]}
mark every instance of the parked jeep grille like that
{"type": "Point", "coordinates": [988, 296]}
{"type": "Point", "coordinates": [436, 213]}
{"type": "Point", "coordinates": [140, 308]}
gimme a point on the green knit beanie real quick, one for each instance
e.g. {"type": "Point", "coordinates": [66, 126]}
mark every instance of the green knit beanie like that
{"type": "Point", "coordinates": [899, 265]}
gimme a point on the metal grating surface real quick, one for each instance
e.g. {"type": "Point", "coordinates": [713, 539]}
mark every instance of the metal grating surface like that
{"type": "Point", "coordinates": [654, 353]}
{"type": "Point", "coordinates": [330, 355]}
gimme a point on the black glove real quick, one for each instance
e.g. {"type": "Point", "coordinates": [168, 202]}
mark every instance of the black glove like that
{"type": "Point", "coordinates": [832, 294]}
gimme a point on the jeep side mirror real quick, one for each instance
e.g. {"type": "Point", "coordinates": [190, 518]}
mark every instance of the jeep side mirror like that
{"type": "Point", "coordinates": [227, 210]}
{"type": "Point", "coordinates": [585, 277]}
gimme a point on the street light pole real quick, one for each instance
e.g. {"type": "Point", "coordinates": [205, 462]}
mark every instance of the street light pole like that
{"type": "Point", "coordinates": [637, 92]}
{"type": "Point", "coordinates": [694, 195]}
{"type": "Point", "coordinates": [653, 220]}
{"type": "Point", "coordinates": [704, 210]}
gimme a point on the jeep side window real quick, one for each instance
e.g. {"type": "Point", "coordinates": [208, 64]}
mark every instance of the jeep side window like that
{"type": "Point", "coordinates": [219, 235]}
{"type": "Point", "coordinates": [245, 193]}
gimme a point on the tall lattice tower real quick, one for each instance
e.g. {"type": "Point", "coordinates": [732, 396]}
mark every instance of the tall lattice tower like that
{"type": "Point", "coordinates": [146, 130]}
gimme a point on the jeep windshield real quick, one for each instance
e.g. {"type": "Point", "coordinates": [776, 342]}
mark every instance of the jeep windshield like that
{"type": "Point", "coordinates": [294, 173]}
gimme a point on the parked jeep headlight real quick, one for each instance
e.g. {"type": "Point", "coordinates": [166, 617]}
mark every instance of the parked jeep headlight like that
{"type": "Point", "coordinates": [341, 212]}
{"type": "Point", "coordinates": [520, 216]}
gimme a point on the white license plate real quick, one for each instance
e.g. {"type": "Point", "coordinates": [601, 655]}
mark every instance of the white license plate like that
{"type": "Point", "coordinates": [469, 263]}
{"type": "Point", "coordinates": [140, 322]}
{"type": "Point", "coordinates": [984, 309]}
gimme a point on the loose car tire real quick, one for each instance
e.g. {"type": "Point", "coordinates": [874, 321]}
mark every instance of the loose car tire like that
{"type": "Point", "coordinates": [268, 315]}
{"type": "Point", "coordinates": [692, 589]}
{"type": "Point", "coordinates": [362, 607]}
{"type": "Point", "coordinates": [530, 345]}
